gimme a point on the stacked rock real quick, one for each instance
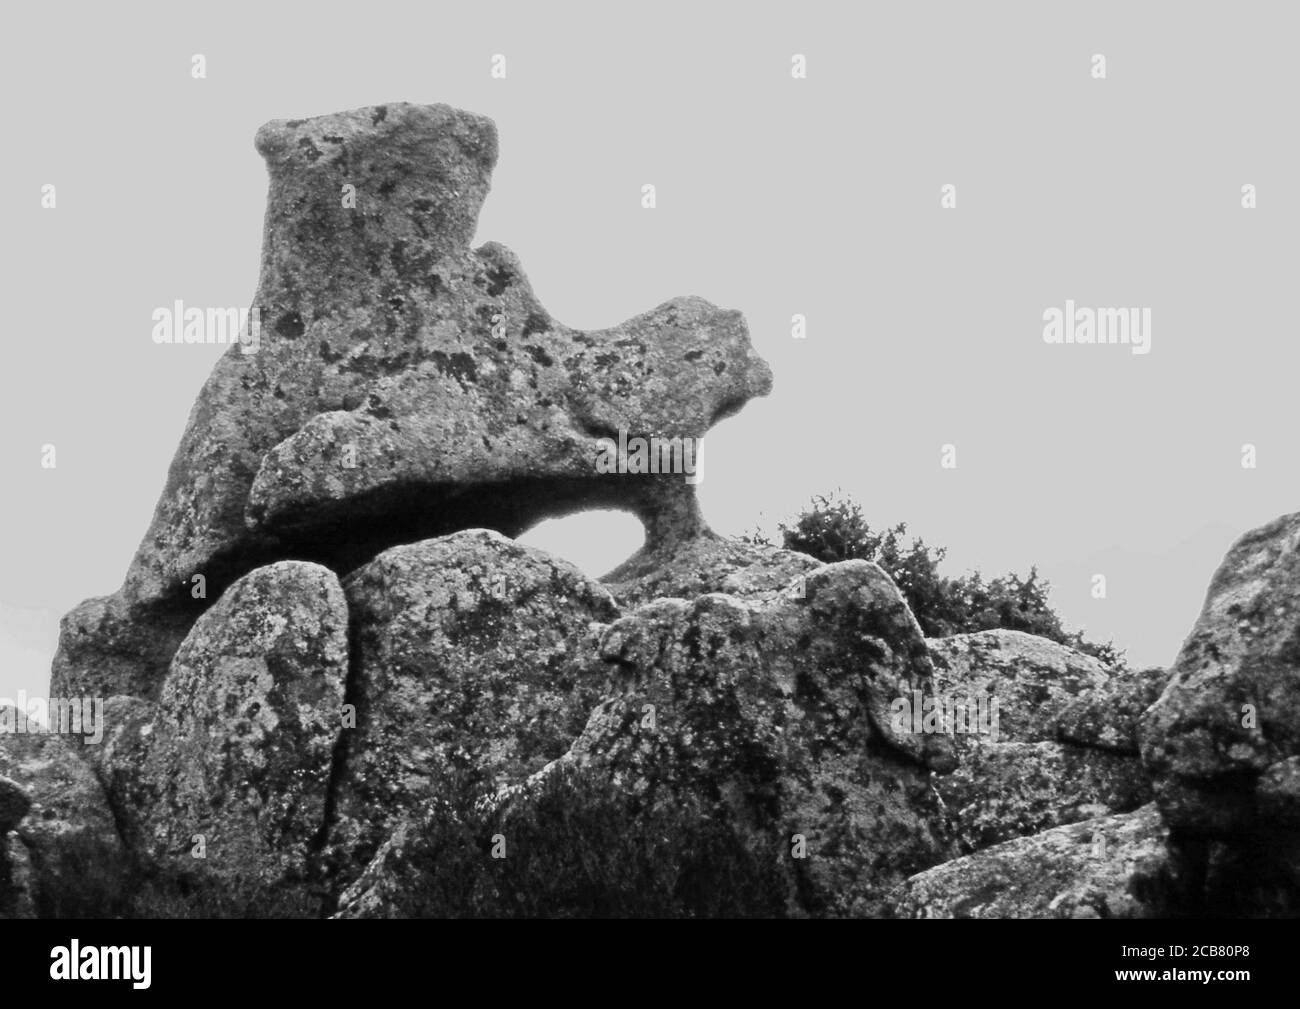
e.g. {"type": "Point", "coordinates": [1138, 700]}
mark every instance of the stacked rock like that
{"type": "Point", "coordinates": [328, 646]}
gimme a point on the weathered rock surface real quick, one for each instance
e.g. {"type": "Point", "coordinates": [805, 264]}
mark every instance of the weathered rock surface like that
{"type": "Point", "coordinates": [403, 386]}
{"type": "Point", "coordinates": [120, 762]}
{"type": "Point", "coordinates": [1033, 679]}
{"type": "Point", "coordinates": [1095, 869]}
{"type": "Point", "coordinates": [241, 750]}
{"type": "Point", "coordinates": [709, 563]}
{"type": "Point", "coordinates": [109, 646]}
{"type": "Point", "coordinates": [746, 750]}
{"type": "Point", "coordinates": [476, 665]}
{"type": "Point", "coordinates": [1108, 716]}
{"type": "Point", "coordinates": [781, 712]}
{"type": "Point", "coordinates": [1222, 740]}
{"type": "Point", "coordinates": [1014, 777]}
{"type": "Point", "coordinates": [1007, 790]}
{"type": "Point", "coordinates": [573, 843]}
{"type": "Point", "coordinates": [71, 857]}
{"type": "Point", "coordinates": [712, 731]}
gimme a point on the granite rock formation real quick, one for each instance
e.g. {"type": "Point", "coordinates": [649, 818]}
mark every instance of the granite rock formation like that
{"type": "Point", "coordinates": [760, 726]}
{"type": "Point", "coordinates": [1017, 775]}
{"type": "Point", "coordinates": [335, 685]}
{"type": "Point", "coordinates": [1222, 742]}
{"type": "Point", "coordinates": [402, 386]}
{"type": "Point", "coordinates": [1100, 868]}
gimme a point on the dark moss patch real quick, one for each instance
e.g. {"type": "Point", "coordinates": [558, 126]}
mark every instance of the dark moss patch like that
{"type": "Point", "coordinates": [536, 323]}
{"type": "Point", "coordinates": [498, 279]}
{"type": "Point", "coordinates": [539, 355]}
{"type": "Point", "coordinates": [460, 366]}
{"type": "Point", "coordinates": [290, 325]}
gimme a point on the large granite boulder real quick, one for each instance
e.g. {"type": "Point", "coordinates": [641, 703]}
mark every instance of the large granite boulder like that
{"type": "Point", "coordinates": [475, 664]}
{"type": "Point", "coordinates": [110, 646]}
{"type": "Point", "coordinates": [1108, 717]}
{"type": "Point", "coordinates": [1222, 742]}
{"type": "Point", "coordinates": [1100, 868]}
{"type": "Point", "coordinates": [1032, 678]}
{"type": "Point", "coordinates": [1011, 789]}
{"type": "Point", "coordinates": [746, 749]}
{"type": "Point", "coordinates": [238, 758]}
{"type": "Point", "coordinates": [1003, 694]}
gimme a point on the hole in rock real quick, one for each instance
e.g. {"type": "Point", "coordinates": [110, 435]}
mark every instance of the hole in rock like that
{"type": "Point", "coordinates": [596, 541]}
{"type": "Point", "coordinates": [345, 535]}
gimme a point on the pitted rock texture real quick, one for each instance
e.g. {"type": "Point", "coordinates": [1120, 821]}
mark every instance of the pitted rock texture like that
{"type": "Point", "coordinates": [1007, 790]}
{"type": "Point", "coordinates": [851, 632]}
{"type": "Point", "coordinates": [1015, 778]}
{"type": "Point", "coordinates": [1102, 868]}
{"type": "Point", "coordinates": [241, 750]}
{"type": "Point", "coordinates": [109, 647]}
{"type": "Point", "coordinates": [1032, 678]}
{"type": "Point", "coordinates": [755, 727]}
{"type": "Point", "coordinates": [573, 844]}
{"type": "Point", "coordinates": [1222, 742]}
{"type": "Point", "coordinates": [336, 686]}
{"type": "Point", "coordinates": [120, 762]}
{"type": "Point", "coordinates": [710, 563]}
{"type": "Point", "coordinates": [1108, 717]}
{"type": "Point", "coordinates": [475, 665]}
{"type": "Point", "coordinates": [403, 386]}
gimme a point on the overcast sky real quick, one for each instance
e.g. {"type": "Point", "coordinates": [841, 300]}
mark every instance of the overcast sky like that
{"type": "Point", "coordinates": [775, 196]}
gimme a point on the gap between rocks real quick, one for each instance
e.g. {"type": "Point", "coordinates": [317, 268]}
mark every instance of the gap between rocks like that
{"type": "Point", "coordinates": [350, 534]}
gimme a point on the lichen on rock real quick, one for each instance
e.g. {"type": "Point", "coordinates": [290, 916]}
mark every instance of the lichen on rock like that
{"type": "Point", "coordinates": [336, 685]}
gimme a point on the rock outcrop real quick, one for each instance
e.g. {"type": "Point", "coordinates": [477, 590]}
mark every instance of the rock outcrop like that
{"type": "Point", "coordinates": [403, 386]}
{"type": "Point", "coordinates": [334, 684]}
{"type": "Point", "coordinates": [240, 755]}
{"type": "Point", "coordinates": [1101, 868]}
{"type": "Point", "coordinates": [1108, 717]}
{"type": "Point", "coordinates": [1007, 692]}
{"type": "Point", "coordinates": [399, 406]}
{"type": "Point", "coordinates": [475, 664]}
{"type": "Point", "coordinates": [1033, 679]}
{"type": "Point", "coordinates": [747, 741]}
{"type": "Point", "coordinates": [1222, 743]}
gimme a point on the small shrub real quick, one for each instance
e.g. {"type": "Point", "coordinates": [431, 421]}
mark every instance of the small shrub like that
{"type": "Point", "coordinates": [834, 529]}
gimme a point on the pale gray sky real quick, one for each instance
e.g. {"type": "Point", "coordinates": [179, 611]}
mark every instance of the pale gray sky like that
{"type": "Point", "coordinates": [776, 196]}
